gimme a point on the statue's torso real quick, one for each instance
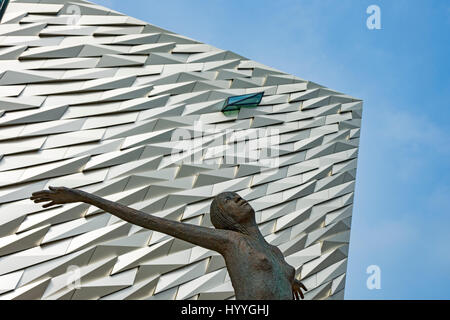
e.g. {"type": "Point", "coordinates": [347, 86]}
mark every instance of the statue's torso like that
{"type": "Point", "coordinates": [258, 270]}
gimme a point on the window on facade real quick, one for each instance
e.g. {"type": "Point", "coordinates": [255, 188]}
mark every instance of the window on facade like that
{"type": "Point", "coordinates": [246, 101]}
{"type": "Point", "coordinates": [3, 4]}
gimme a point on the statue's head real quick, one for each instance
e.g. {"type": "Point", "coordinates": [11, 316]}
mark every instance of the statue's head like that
{"type": "Point", "coordinates": [230, 212]}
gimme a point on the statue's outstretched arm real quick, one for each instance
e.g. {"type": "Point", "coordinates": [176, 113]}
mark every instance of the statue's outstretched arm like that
{"type": "Point", "coordinates": [214, 239]}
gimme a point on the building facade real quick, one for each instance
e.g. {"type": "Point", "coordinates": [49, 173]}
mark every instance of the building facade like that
{"type": "Point", "coordinates": [93, 99]}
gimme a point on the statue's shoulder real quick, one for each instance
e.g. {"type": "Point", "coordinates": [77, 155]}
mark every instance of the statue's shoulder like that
{"type": "Point", "coordinates": [277, 251]}
{"type": "Point", "coordinates": [235, 239]}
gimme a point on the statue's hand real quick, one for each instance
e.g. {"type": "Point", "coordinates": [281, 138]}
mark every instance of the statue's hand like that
{"type": "Point", "coordinates": [56, 195]}
{"type": "Point", "coordinates": [297, 287]}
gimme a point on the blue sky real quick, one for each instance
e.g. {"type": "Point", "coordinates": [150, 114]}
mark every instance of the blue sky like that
{"type": "Point", "coordinates": [401, 217]}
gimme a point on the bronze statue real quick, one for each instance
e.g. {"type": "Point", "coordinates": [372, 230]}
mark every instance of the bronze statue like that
{"type": "Point", "coordinates": [258, 270]}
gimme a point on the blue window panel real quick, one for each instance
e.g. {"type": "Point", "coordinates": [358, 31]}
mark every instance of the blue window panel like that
{"type": "Point", "coordinates": [247, 100]}
{"type": "Point", "coordinates": [3, 5]}
{"type": "Point", "coordinates": [232, 100]}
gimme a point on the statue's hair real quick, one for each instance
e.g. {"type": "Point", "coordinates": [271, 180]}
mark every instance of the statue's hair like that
{"type": "Point", "coordinates": [219, 218]}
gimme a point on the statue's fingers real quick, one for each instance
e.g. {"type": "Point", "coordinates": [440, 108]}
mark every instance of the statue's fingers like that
{"type": "Point", "coordinates": [42, 200]}
{"type": "Point", "coordinates": [296, 295]}
{"type": "Point", "coordinates": [40, 193]}
{"type": "Point", "coordinates": [301, 294]}
{"type": "Point", "coordinates": [48, 204]}
{"type": "Point", "coordinates": [55, 188]}
{"type": "Point", "coordinates": [303, 286]}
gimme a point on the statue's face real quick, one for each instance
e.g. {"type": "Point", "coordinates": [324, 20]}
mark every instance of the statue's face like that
{"type": "Point", "coordinates": [238, 209]}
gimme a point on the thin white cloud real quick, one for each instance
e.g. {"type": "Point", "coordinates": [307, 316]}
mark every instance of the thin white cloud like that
{"type": "Point", "coordinates": [415, 130]}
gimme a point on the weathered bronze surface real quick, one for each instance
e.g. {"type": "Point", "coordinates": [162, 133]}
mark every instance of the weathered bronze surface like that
{"type": "Point", "coordinates": [258, 270]}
